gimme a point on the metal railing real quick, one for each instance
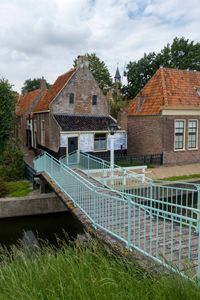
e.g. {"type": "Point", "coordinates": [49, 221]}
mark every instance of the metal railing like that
{"type": "Point", "coordinates": [150, 225]}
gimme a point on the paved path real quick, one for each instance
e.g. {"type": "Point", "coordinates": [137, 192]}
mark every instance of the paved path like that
{"type": "Point", "coordinates": [169, 171]}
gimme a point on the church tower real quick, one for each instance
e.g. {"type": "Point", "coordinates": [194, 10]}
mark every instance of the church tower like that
{"type": "Point", "coordinates": [117, 76]}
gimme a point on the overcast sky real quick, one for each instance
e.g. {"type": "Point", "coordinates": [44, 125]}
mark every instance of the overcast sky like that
{"type": "Point", "coordinates": [42, 37]}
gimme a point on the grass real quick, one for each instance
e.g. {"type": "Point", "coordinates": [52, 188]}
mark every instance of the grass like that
{"type": "Point", "coordinates": [18, 188]}
{"type": "Point", "coordinates": [183, 177]}
{"type": "Point", "coordinates": [84, 273]}
{"type": "Point", "coordinates": [127, 163]}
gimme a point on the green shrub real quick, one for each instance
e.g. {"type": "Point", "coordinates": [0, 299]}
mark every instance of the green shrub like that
{"type": "Point", "coordinates": [11, 161]}
{"type": "Point", "coordinates": [3, 188]}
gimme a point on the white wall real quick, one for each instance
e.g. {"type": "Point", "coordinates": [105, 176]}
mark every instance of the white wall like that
{"type": "Point", "coordinates": [120, 138]}
{"type": "Point", "coordinates": [86, 141]}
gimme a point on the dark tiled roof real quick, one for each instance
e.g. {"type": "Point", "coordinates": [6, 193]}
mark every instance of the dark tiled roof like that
{"type": "Point", "coordinates": [83, 122]}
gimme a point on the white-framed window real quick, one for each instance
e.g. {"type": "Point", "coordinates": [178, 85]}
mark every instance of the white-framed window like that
{"type": "Point", "coordinates": [192, 134]}
{"type": "Point", "coordinates": [179, 135]}
{"type": "Point", "coordinates": [100, 141]}
{"type": "Point", "coordinates": [42, 132]}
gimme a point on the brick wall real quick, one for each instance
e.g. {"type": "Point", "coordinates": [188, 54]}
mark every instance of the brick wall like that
{"type": "Point", "coordinates": [84, 86]}
{"type": "Point", "coordinates": [122, 118]}
{"type": "Point", "coordinates": [144, 135]}
{"type": "Point", "coordinates": [52, 131]}
{"type": "Point", "coordinates": [184, 156]}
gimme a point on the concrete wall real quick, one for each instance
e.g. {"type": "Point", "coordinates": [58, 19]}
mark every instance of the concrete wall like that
{"type": "Point", "coordinates": [31, 205]}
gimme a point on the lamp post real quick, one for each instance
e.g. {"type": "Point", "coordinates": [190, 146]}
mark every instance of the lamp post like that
{"type": "Point", "coordinates": [112, 129]}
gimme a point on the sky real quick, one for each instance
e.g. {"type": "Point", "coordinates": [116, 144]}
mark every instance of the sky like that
{"type": "Point", "coordinates": [42, 37]}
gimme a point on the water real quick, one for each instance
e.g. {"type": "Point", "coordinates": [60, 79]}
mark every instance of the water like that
{"type": "Point", "coordinates": [49, 227]}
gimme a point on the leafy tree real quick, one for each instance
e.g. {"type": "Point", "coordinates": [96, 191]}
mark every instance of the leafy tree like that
{"type": "Point", "coordinates": [99, 71]}
{"type": "Point", "coordinates": [7, 111]}
{"type": "Point", "coordinates": [11, 160]}
{"type": "Point", "coordinates": [181, 54]}
{"type": "Point", "coordinates": [32, 84]}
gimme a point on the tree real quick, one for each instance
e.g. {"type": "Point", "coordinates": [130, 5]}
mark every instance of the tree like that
{"type": "Point", "coordinates": [32, 84]}
{"type": "Point", "coordinates": [99, 71]}
{"type": "Point", "coordinates": [7, 111]}
{"type": "Point", "coordinates": [181, 54]}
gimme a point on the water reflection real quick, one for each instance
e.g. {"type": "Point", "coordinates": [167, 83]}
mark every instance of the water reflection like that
{"type": "Point", "coordinates": [31, 230]}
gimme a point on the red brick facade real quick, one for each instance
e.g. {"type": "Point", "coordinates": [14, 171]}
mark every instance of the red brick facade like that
{"type": "Point", "coordinates": [155, 135]}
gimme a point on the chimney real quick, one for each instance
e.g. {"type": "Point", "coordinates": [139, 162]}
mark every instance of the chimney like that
{"type": "Point", "coordinates": [82, 61]}
{"type": "Point", "coordinates": [43, 84]}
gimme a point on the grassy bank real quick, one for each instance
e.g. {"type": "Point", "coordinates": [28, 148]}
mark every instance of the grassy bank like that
{"type": "Point", "coordinates": [182, 177]}
{"type": "Point", "coordinates": [90, 272]}
{"type": "Point", "coordinates": [14, 188]}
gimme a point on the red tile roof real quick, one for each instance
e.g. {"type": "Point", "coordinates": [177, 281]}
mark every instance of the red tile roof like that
{"type": "Point", "coordinates": [167, 88]}
{"type": "Point", "coordinates": [48, 97]}
{"type": "Point", "coordinates": [24, 102]}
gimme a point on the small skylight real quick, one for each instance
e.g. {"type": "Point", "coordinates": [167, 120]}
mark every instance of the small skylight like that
{"type": "Point", "coordinates": [198, 92]}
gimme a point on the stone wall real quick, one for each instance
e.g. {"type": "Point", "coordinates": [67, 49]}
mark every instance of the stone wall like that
{"type": "Point", "coordinates": [31, 205]}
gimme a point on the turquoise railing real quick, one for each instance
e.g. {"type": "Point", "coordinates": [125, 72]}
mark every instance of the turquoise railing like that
{"type": "Point", "coordinates": [166, 232]}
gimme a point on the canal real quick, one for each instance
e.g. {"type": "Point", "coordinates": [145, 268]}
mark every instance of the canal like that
{"type": "Point", "coordinates": [50, 227]}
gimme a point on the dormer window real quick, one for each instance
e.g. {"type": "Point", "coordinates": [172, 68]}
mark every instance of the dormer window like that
{"type": "Point", "coordinates": [71, 98]}
{"type": "Point", "coordinates": [94, 100]}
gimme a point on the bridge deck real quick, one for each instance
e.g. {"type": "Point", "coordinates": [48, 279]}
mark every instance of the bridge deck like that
{"type": "Point", "coordinates": [167, 237]}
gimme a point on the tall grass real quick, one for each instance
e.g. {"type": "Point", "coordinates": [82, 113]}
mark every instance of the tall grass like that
{"type": "Point", "coordinates": [84, 272]}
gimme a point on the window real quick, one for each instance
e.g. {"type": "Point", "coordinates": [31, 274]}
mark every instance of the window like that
{"type": "Point", "coordinates": [42, 133]}
{"type": "Point", "coordinates": [94, 100]}
{"type": "Point", "coordinates": [179, 143]}
{"type": "Point", "coordinates": [192, 134]}
{"type": "Point", "coordinates": [71, 98]}
{"type": "Point", "coordinates": [100, 141]}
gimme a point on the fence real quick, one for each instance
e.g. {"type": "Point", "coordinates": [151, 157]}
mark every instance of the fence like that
{"type": "Point", "coordinates": [141, 222]}
{"type": "Point", "coordinates": [122, 157]}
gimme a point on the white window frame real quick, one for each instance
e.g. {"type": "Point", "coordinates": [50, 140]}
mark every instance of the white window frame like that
{"type": "Point", "coordinates": [42, 132]}
{"type": "Point", "coordinates": [190, 149]}
{"type": "Point", "coordinates": [184, 121]}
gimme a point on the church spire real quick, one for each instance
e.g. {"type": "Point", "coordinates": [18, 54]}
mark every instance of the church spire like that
{"type": "Point", "coordinates": [117, 76]}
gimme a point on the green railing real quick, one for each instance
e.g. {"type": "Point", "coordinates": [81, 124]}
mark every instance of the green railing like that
{"type": "Point", "coordinates": [157, 229]}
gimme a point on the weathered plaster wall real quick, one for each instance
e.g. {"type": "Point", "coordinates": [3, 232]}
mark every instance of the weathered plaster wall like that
{"type": "Point", "coordinates": [84, 86]}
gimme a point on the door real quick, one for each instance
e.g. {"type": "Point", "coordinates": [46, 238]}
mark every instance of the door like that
{"type": "Point", "coordinates": [72, 144]}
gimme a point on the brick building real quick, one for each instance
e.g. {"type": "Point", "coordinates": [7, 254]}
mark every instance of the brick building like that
{"type": "Point", "coordinates": [73, 114]}
{"type": "Point", "coordinates": [24, 109]}
{"type": "Point", "coordinates": [165, 117]}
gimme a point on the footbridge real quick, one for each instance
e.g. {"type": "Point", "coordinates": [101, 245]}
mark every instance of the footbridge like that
{"type": "Point", "coordinates": [155, 218]}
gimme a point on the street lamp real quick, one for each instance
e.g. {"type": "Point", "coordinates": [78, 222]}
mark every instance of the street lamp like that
{"type": "Point", "coordinates": [112, 129]}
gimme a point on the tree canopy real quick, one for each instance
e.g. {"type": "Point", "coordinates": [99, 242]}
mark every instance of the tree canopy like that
{"type": "Point", "coordinates": [181, 54]}
{"type": "Point", "coordinates": [7, 111]}
{"type": "Point", "coordinates": [32, 84]}
{"type": "Point", "coordinates": [99, 71]}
